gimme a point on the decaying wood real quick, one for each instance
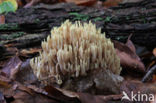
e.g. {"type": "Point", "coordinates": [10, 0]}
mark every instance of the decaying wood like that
{"type": "Point", "coordinates": [33, 24]}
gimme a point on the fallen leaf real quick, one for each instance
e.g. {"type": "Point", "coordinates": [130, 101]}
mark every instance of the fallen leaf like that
{"type": "Point", "coordinates": [130, 44]}
{"type": "Point", "coordinates": [154, 78]}
{"type": "Point", "coordinates": [111, 3]}
{"type": "Point", "coordinates": [15, 92]}
{"type": "Point", "coordinates": [20, 3]}
{"type": "Point", "coordinates": [12, 67]}
{"type": "Point", "coordinates": [25, 74]}
{"type": "Point", "coordinates": [27, 53]}
{"type": "Point", "coordinates": [89, 98]}
{"type": "Point", "coordinates": [154, 52]}
{"type": "Point", "coordinates": [128, 58]}
{"type": "Point", "coordinates": [59, 96]}
{"type": "Point", "coordinates": [33, 2]}
{"type": "Point", "coordinates": [138, 88]}
{"type": "Point", "coordinates": [81, 2]}
{"type": "Point", "coordinates": [8, 6]}
{"type": "Point", "coordinates": [4, 82]}
{"type": "Point", "coordinates": [83, 97]}
{"type": "Point", "coordinates": [2, 19]}
{"type": "Point", "coordinates": [22, 96]}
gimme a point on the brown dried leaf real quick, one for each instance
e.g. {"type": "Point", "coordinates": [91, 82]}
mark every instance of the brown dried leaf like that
{"type": "Point", "coordinates": [81, 2]}
{"type": "Point", "coordinates": [128, 57]}
{"type": "Point", "coordinates": [33, 2]}
{"type": "Point", "coordinates": [83, 97]}
{"type": "Point", "coordinates": [2, 19]}
{"type": "Point", "coordinates": [130, 44]}
{"type": "Point", "coordinates": [154, 78]}
{"type": "Point", "coordinates": [27, 53]}
{"type": "Point", "coordinates": [12, 67]}
{"type": "Point", "coordinates": [88, 98]}
{"type": "Point", "coordinates": [26, 95]}
{"type": "Point", "coordinates": [110, 3]}
{"type": "Point", "coordinates": [154, 52]}
{"type": "Point", "coordinates": [18, 93]}
{"type": "Point", "coordinates": [4, 82]}
{"type": "Point", "coordinates": [59, 96]}
{"type": "Point", "coordinates": [25, 74]}
{"type": "Point", "coordinates": [138, 87]}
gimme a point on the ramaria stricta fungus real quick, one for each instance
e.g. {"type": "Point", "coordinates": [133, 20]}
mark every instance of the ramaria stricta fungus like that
{"type": "Point", "coordinates": [74, 51]}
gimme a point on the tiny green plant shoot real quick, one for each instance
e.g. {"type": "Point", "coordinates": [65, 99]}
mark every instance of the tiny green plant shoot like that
{"type": "Point", "coordinates": [78, 16]}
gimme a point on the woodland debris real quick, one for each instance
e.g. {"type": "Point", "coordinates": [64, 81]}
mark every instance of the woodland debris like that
{"type": "Point", "coordinates": [149, 74]}
{"type": "Point", "coordinates": [137, 18]}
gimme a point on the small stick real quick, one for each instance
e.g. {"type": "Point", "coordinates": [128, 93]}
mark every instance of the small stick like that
{"type": "Point", "coordinates": [149, 74]}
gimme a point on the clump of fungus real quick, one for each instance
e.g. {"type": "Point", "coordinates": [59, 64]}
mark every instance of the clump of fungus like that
{"type": "Point", "coordinates": [73, 50]}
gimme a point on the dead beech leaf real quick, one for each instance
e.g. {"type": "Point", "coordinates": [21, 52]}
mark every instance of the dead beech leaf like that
{"type": "Point", "coordinates": [26, 95]}
{"type": "Point", "coordinates": [2, 19]}
{"type": "Point", "coordinates": [138, 87]}
{"type": "Point", "coordinates": [25, 74]}
{"type": "Point", "coordinates": [89, 98]}
{"type": "Point", "coordinates": [128, 58]}
{"type": "Point", "coordinates": [4, 82]}
{"type": "Point", "coordinates": [111, 3]}
{"type": "Point", "coordinates": [81, 2]}
{"type": "Point", "coordinates": [154, 78]}
{"type": "Point", "coordinates": [33, 2]}
{"type": "Point", "coordinates": [20, 3]}
{"type": "Point", "coordinates": [59, 96]}
{"type": "Point", "coordinates": [11, 68]}
{"type": "Point", "coordinates": [154, 52]}
{"type": "Point", "coordinates": [29, 53]}
{"type": "Point", "coordinates": [130, 44]}
{"type": "Point", "coordinates": [18, 93]}
{"type": "Point", "coordinates": [82, 97]}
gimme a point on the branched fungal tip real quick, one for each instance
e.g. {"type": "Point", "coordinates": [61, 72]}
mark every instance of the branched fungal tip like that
{"type": "Point", "coordinates": [72, 50]}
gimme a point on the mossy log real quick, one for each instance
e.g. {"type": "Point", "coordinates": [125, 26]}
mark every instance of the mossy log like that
{"type": "Point", "coordinates": [137, 18]}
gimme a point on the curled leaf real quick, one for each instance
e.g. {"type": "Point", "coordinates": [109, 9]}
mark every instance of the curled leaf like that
{"type": "Point", "coordinates": [8, 6]}
{"type": "Point", "coordinates": [154, 52]}
{"type": "Point", "coordinates": [81, 2]}
{"type": "Point", "coordinates": [128, 57]}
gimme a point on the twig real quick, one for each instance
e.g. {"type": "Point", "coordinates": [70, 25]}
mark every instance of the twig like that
{"type": "Point", "coordinates": [149, 74]}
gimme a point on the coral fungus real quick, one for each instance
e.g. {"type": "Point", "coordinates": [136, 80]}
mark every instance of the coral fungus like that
{"type": "Point", "coordinates": [73, 50]}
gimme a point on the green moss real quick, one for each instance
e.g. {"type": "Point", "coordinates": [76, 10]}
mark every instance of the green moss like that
{"type": "Point", "coordinates": [9, 27]}
{"type": "Point", "coordinates": [98, 19]}
{"type": "Point", "coordinates": [11, 36]}
{"type": "Point", "coordinates": [127, 18]}
{"type": "Point", "coordinates": [37, 21]}
{"type": "Point", "coordinates": [108, 19]}
{"type": "Point", "coordinates": [78, 16]}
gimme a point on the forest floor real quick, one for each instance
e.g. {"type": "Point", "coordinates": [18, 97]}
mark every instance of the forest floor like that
{"type": "Point", "coordinates": [131, 26]}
